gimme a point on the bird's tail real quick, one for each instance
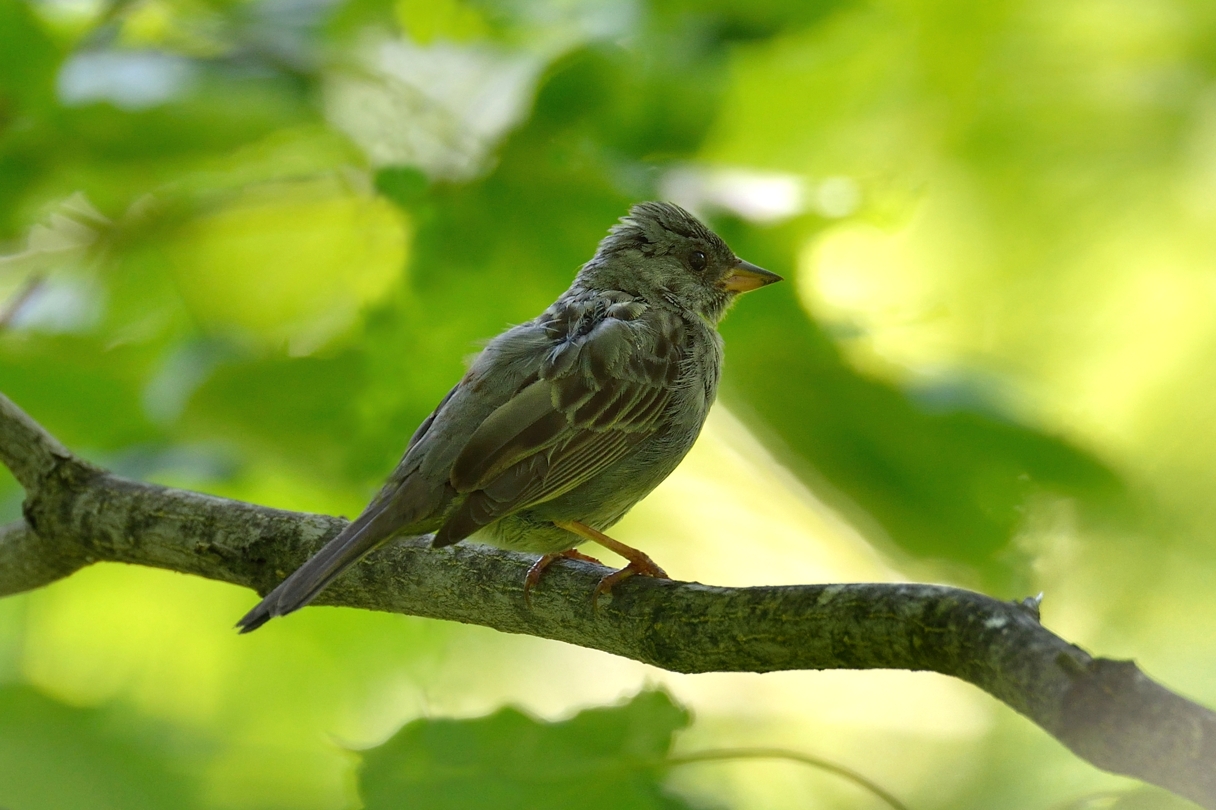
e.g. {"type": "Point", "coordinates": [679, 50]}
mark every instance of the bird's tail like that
{"type": "Point", "coordinates": [347, 548]}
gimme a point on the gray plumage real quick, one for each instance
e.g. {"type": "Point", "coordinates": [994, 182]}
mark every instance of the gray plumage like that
{"type": "Point", "coordinates": [575, 415]}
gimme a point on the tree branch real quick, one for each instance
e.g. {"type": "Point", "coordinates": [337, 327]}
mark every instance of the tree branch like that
{"type": "Point", "coordinates": [1105, 711]}
{"type": "Point", "coordinates": [26, 449]}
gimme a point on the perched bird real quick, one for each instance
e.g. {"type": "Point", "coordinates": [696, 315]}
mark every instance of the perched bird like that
{"type": "Point", "coordinates": [562, 423]}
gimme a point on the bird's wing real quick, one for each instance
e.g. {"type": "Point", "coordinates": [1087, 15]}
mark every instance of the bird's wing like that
{"type": "Point", "coordinates": [601, 390]}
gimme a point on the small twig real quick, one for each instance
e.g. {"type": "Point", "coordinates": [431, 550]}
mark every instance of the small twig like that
{"type": "Point", "coordinates": [726, 754]}
{"type": "Point", "coordinates": [28, 451]}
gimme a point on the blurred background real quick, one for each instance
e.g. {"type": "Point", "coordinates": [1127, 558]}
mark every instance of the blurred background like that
{"type": "Point", "coordinates": [246, 246]}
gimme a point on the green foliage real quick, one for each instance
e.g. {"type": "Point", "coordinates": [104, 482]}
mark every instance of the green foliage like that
{"type": "Point", "coordinates": [600, 759]}
{"type": "Point", "coordinates": [945, 470]}
{"type": "Point", "coordinates": [28, 58]}
{"type": "Point", "coordinates": [54, 756]}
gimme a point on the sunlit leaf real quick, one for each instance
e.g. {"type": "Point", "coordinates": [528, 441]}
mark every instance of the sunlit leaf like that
{"type": "Point", "coordinates": [292, 265]}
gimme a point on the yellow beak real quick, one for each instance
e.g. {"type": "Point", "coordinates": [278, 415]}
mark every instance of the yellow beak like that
{"type": "Point", "coordinates": [746, 276]}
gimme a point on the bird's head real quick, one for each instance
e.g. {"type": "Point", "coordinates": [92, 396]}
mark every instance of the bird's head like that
{"type": "Point", "coordinates": [664, 254]}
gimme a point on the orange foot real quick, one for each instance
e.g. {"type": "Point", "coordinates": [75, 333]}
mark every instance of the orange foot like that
{"type": "Point", "coordinates": [544, 562]}
{"type": "Point", "coordinates": [639, 563]}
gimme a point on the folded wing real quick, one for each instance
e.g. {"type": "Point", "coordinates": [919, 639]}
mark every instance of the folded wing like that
{"type": "Point", "coordinates": [603, 389]}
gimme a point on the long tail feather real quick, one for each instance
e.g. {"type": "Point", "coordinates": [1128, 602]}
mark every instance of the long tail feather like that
{"type": "Point", "coordinates": [351, 545]}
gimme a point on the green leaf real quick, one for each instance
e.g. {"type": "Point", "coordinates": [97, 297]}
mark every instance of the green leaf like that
{"type": "Point", "coordinates": [54, 756]}
{"type": "Point", "coordinates": [601, 759]}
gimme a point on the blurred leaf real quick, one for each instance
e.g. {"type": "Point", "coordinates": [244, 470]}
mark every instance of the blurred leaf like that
{"type": "Point", "coordinates": [428, 20]}
{"type": "Point", "coordinates": [728, 20]}
{"type": "Point", "coordinates": [28, 59]}
{"type": "Point", "coordinates": [117, 156]}
{"type": "Point", "coordinates": [654, 100]}
{"type": "Point", "coordinates": [861, 117]}
{"type": "Point", "coordinates": [601, 759]}
{"type": "Point", "coordinates": [950, 481]}
{"type": "Point", "coordinates": [298, 409]}
{"type": "Point", "coordinates": [55, 756]}
{"type": "Point", "coordinates": [87, 394]}
{"type": "Point", "coordinates": [318, 252]}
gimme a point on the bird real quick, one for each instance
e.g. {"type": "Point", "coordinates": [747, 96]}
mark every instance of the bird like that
{"type": "Point", "coordinates": [561, 424]}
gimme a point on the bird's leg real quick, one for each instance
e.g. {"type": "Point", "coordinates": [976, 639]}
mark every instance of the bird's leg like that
{"type": "Point", "coordinates": [639, 563]}
{"type": "Point", "coordinates": [545, 561]}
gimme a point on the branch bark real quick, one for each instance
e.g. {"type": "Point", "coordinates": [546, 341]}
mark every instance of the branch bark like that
{"type": "Point", "coordinates": [1107, 712]}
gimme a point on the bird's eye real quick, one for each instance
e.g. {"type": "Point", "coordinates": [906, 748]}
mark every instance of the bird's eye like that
{"type": "Point", "coordinates": [697, 261]}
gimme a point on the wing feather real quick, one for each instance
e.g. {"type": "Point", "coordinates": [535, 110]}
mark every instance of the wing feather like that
{"type": "Point", "coordinates": [525, 424]}
{"type": "Point", "coordinates": [603, 392]}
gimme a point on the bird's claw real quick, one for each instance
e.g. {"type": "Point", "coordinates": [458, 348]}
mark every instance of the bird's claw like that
{"type": "Point", "coordinates": [538, 568]}
{"type": "Point", "coordinates": [643, 566]}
